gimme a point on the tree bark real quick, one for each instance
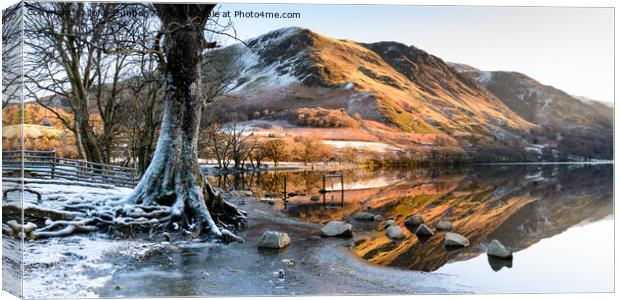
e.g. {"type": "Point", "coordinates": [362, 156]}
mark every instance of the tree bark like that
{"type": "Point", "coordinates": [174, 178]}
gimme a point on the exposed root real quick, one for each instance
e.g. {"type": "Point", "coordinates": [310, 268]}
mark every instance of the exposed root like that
{"type": "Point", "coordinates": [188, 215]}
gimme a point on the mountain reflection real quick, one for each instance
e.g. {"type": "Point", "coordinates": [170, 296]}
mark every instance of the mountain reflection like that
{"type": "Point", "coordinates": [516, 204]}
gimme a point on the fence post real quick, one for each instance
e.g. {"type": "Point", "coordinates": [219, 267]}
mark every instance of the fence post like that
{"type": "Point", "coordinates": [53, 164]}
{"type": "Point", "coordinates": [341, 190]}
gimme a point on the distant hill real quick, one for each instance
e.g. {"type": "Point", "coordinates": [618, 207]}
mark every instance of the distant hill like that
{"type": "Point", "coordinates": [579, 124]}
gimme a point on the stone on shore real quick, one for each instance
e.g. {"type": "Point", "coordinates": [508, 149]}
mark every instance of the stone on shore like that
{"type": "Point", "coordinates": [414, 221]}
{"type": "Point", "coordinates": [377, 218]}
{"type": "Point", "coordinates": [456, 240]}
{"type": "Point", "coordinates": [389, 223]}
{"type": "Point", "coordinates": [394, 232]}
{"type": "Point", "coordinates": [443, 225]}
{"type": "Point", "coordinates": [497, 249]}
{"type": "Point", "coordinates": [363, 216]}
{"type": "Point", "coordinates": [274, 240]}
{"type": "Point", "coordinates": [337, 229]}
{"type": "Point", "coordinates": [423, 230]}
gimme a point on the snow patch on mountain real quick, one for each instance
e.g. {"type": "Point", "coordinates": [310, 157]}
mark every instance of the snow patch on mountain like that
{"type": "Point", "coordinates": [254, 71]}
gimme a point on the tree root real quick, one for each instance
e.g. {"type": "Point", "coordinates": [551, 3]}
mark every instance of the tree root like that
{"type": "Point", "coordinates": [114, 215]}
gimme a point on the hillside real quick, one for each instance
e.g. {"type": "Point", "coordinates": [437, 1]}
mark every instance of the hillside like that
{"type": "Point", "coordinates": [390, 92]}
{"type": "Point", "coordinates": [294, 79]}
{"type": "Point", "coordinates": [566, 120]}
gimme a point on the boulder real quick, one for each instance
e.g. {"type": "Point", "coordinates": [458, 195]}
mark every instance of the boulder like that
{"type": "Point", "coordinates": [363, 216]}
{"type": "Point", "coordinates": [497, 249]}
{"type": "Point", "coordinates": [337, 228]}
{"type": "Point", "coordinates": [456, 240]}
{"type": "Point", "coordinates": [389, 223]}
{"type": "Point", "coordinates": [443, 225]}
{"type": "Point", "coordinates": [274, 240]}
{"type": "Point", "coordinates": [394, 232]}
{"type": "Point", "coordinates": [414, 221]}
{"type": "Point", "coordinates": [423, 230]}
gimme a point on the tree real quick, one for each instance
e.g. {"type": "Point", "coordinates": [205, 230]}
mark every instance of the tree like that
{"type": "Point", "coordinates": [310, 148]}
{"type": "Point", "coordinates": [276, 149]}
{"type": "Point", "coordinates": [240, 144]}
{"type": "Point", "coordinates": [214, 142]}
{"type": "Point", "coordinates": [257, 153]}
{"type": "Point", "coordinates": [11, 58]}
{"type": "Point", "coordinates": [174, 178]}
{"type": "Point", "coordinates": [77, 52]}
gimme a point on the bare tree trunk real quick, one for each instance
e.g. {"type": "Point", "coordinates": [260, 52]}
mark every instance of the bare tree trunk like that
{"type": "Point", "coordinates": [174, 178]}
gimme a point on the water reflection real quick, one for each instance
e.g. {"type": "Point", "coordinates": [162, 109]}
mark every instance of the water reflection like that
{"type": "Point", "coordinates": [519, 205]}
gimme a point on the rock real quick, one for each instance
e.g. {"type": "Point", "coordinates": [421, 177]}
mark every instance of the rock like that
{"type": "Point", "coordinates": [394, 232]}
{"type": "Point", "coordinates": [274, 240]}
{"type": "Point", "coordinates": [456, 240]}
{"type": "Point", "coordinates": [167, 236]}
{"type": "Point", "coordinates": [414, 221]}
{"type": "Point", "coordinates": [268, 201]}
{"type": "Point", "coordinates": [497, 249]}
{"type": "Point", "coordinates": [363, 216]}
{"type": "Point", "coordinates": [315, 198]}
{"type": "Point", "coordinates": [280, 273]}
{"type": "Point", "coordinates": [289, 262]}
{"type": "Point", "coordinates": [337, 228]}
{"type": "Point", "coordinates": [377, 218]}
{"type": "Point", "coordinates": [443, 225]}
{"type": "Point", "coordinates": [423, 230]}
{"type": "Point", "coordinates": [497, 263]}
{"type": "Point", "coordinates": [389, 223]}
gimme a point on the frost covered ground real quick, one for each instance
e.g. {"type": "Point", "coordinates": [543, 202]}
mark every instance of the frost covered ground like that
{"type": "Point", "coordinates": [95, 265]}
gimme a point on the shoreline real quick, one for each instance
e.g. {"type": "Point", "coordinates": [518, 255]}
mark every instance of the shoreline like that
{"type": "Point", "coordinates": [324, 266]}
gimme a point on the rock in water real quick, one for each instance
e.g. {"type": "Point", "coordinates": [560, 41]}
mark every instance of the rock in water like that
{"type": "Point", "coordinates": [337, 228]}
{"type": "Point", "coordinates": [414, 221]}
{"type": "Point", "coordinates": [423, 230]}
{"type": "Point", "coordinates": [497, 249]}
{"type": "Point", "coordinates": [394, 232]}
{"type": "Point", "coordinates": [363, 216]}
{"type": "Point", "coordinates": [274, 240]}
{"type": "Point", "coordinates": [456, 240]}
{"type": "Point", "coordinates": [443, 225]}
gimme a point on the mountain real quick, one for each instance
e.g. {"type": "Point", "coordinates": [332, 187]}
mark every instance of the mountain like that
{"type": "Point", "coordinates": [565, 119]}
{"type": "Point", "coordinates": [384, 92]}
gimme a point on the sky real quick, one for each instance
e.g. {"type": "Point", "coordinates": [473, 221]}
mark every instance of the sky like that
{"type": "Point", "coordinates": [568, 48]}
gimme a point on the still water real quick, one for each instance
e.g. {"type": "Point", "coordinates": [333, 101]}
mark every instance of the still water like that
{"type": "Point", "coordinates": [558, 219]}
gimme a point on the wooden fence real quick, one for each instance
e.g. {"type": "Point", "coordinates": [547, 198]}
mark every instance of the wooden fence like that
{"type": "Point", "coordinates": [45, 164]}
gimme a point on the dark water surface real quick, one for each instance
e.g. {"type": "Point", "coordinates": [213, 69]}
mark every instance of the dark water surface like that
{"type": "Point", "coordinates": [557, 218]}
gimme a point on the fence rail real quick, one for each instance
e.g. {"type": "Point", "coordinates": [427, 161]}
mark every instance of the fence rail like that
{"type": "Point", "coordinates": [45, 164]}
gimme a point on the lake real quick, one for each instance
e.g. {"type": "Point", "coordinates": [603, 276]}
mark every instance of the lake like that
{"type": "Point", "coordinates": [558, 219]}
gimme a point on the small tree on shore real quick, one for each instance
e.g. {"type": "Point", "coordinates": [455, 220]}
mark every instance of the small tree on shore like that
{"type": "Point", "coordinates": [277, 150]}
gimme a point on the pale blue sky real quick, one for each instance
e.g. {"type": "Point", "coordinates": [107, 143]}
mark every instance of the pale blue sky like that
{"type": "Point", "coordinates": [569, 48]}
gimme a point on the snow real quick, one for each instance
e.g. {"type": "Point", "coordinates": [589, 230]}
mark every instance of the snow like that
{"type": "Point", "coordinates": [254, 69]}
{"type": "Point", "coordinates": [484, 76]}
{"type": "Point", "coordinates": [72, 266]}
{"type": "Point", "coordinates": [535, 149]}
{"type": "Point", "coordinates": [371, 146]}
